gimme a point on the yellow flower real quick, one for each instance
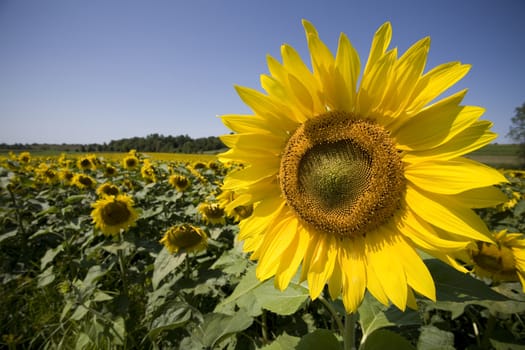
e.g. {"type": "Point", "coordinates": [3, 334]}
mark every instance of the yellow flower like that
{"type": "Point", "coordinates": [46, 173]}
{"type": "Point", "coordinates": [347, 181]}
{"type": "Point", "coordinates": [24, 157]}
{"type": "Point", "coordinates": [186, 237]}
{"type": "Point", "coordinates": [180, 182]}
{"type": "Point", "coordinates": [130, 161]}
{"type": "Point", "coordinates": [212, 213]}
{"type": "Point", "coordinates": [85, 163]}
{"type": "Point", "coordinates": [83, 181]}
{"type": "Point", "coordinates": [148, 171]}
{"type": "Point", "coordinates": [107, 189]}
{"type": "Point", "coordinates": [501, 261]}
{"type": "Point", "coordinates": [110, 170]}
{"type": "Point", "coordinates": [114, 213]}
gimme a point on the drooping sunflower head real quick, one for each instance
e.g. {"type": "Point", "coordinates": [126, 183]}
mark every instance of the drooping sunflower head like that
{"type": "Point", "coordinates": [84, 181]}
{"type": "Point", "coordinates": [131, 161]}
{"type": "Point", "coordinates": [212, 213]}
{"type": "Point", "coordinates": [239, 212]}
{"type": "Point", "coordinates": [24, 157]}
{"type": "Point", "coordinates": [111, 214]}
{"type": "Point", "coordinates": [349, 174]}
{"type": "Point", "coordinates": [184, 237]}
{"type": "Point", "coordinates": [179, 182]}
{"type": "Point", "coordinates": [110, 170]}
{"type": "Point", "coordinates": [107, 189]}
{"type": "Point", "coordinates": [148, 171]}
{"type": "Point", "coordinates": [503, 260]}
{"type": "Point", "coordinates": [85, 163]}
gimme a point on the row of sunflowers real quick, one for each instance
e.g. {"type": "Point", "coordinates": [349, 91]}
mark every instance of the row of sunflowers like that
{"type": "Point", "coordinates": [135, 252]}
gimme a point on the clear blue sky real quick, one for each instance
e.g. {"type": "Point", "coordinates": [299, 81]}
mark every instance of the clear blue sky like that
{"type": "Point", "coordinates": [99, 70]}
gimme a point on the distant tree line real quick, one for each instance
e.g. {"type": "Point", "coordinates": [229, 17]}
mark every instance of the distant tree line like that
{"type": "Point", "coordinates": [150, 143]}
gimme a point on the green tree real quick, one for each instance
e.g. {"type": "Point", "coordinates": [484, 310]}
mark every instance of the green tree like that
{"type": "Point", "coordinates": [517, 130]}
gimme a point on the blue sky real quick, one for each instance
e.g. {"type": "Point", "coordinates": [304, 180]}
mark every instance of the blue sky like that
{"type": "Point", "coordinates": [99, 70]}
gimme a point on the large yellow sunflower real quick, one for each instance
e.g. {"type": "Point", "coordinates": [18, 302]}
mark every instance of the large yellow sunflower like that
{"type": "Point", "coordinates": [348, 180]}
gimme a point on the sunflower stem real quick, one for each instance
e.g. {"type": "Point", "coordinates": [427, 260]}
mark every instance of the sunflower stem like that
{"type": "Point", "coordinates": [349, 333]}
{"type": "Point", "coordinates": [334, 314]}
{"type": "Point", "coordinates": [122, 265]}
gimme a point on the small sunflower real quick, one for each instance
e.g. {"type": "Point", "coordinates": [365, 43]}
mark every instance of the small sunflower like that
{"type": "Point", "coordinates": [184, 237]}
{"type": "Point", "coordinates": [350, 174]}
{"type": "Point", "coordinates": [83, 181]}
{"type": "Point", "coordinates": [179, 182]}
{"type": "Point", "coordinates": [85, 163]}
{"type": "Point", "coordinates": [24, 157]}
{"type": "Point", "coordinates": [212, 213]}
{"type": "Point", "coordinates": [110, 170]}
{"type": "Point", "coordinates": [501, 261]}
{"type": "Point", "coordinates": [107, 189]}
{"type": "Point", "coordinates": [66, 175]}
{"type": "Point", "coordinates": [47, 174]}
{"type": "Point", "coordinates": [131, 161]}
{"type": "Point", "coordinates": [114, 213]}
{"type": "Point", "coordinates": [148, 171]}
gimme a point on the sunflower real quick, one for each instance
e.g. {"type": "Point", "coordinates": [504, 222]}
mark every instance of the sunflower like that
{"type": "Point", "coordinates": [113, 213]}
{"type": "Point", "coordinates": [148, 171]}
{"type": "Point", "coordinates": [24, 157]}
{"type": "Point", "coordinates": [110, 170]}
{"type": "Point", "coordinates": [501, 261]}
{"type": "Point", "coordinates": [85, 163]}
{"type": "Point", "coordinates": [107, 189]}
{"type": "Point", "coordinates": [179, 182]}
{"type": "Point", "coordinates": [186, 237]}
{"type": "Point", "coordinates": [212, 213]}
{"type": "Point", "coordinates": [348, 181]}
{"type": "Point", "coordinates": [83, 181]}
{"type": "Point", "coordinates": [238, 213]}
{"type": "Point", "coordinates": [130, 161]}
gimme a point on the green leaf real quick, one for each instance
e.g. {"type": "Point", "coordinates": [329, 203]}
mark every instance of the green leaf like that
{"type": "Point", "coordinates": [385, 339]}
{"type": "Point", "coordinates": [373, 315]}
{"type": "Point", "coordinates": [455, 290]}
{"type": "Point", "coordinates": [83, 341]}
{"type": "Point", "coordinates": [46, 277]}
{"type": "Point", "coordinates": [50, 255]}
{"type": "Point", "coordinates": [433, 338]}
{"type": "Point", "coordinates": [319, 339]}
{"type": "Point", "coordinates": [283, 342]}
{"type": "Point", "coordinates": [101, 296]}
{"type": "Point", "coordinates": [164, 264]}
{"type": "Point", "coordinates": [452, 285]}
{"type": "Point", "coordinates": [254, 295]}
{"type": "Point", "coordinates": [175, 316]}
{"type": "Point", "coordinates": [216, 327]}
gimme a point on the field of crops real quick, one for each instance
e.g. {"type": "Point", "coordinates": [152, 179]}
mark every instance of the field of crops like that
{"type": "Point", "coordinates": [136, 251]}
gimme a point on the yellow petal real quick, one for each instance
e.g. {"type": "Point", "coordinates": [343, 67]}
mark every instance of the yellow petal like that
{"type": "Point", "coordinates": [292, 257]}
{"type": "Point", "coordinates": [435, 82]}
{"type": "Point", "coordinates": [424, 235]}
{"type": "Point", "coordinates": [450, 216]}
{"type": "Point", "coordinates": [322, 264]}
{"type": "Point", "coordinates": [351, 259]}
{"type": "Point", "coordinates": [452, 176]}
{"type": "Point", "coordinates": [379, 45]}
{"type": "Point", "coordinates": [417, 274]}
{"type": "Point", "coordinates": [255, 141]}
{"type": "Point", "coordinates": [481, 197]}
{"type": "Point", "coordinates": [470, 139]}
{"type": "Point", "coordinates": [447, 119]}
{"type": "Point", "coordinates": [348, 65]}
{"type": "Point", "coordinates": [380, 250]}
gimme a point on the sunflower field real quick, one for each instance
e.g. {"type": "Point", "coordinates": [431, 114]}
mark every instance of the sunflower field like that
{"type": "Point", "coordinates": [129, 252]}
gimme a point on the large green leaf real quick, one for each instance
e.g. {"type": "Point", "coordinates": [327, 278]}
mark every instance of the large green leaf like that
{"type": "Point", "coordinates": [385, 339]}
{"type": "Point", "coordinates": [283, 342]}
{"type": "Point", "coordinates": [433, 338]}
{"type": "Point", "coordinates": [373, 315]}
{"type": "Point", "coordinates": [254, 295]}
{"type": "Point", "coordinates": [164, 264]}
{"type": "Point", "coordinates": [216, 327]}
{"type": "Point", "coordinates": [319, 339]}
{"type": "Point", "coordinates": [176, 315]}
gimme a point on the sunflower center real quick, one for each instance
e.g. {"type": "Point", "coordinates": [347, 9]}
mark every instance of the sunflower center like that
{"type": "Point", "coordinates": [342, 175]}
{"type": "Point", "coordinates": [115, 213]}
